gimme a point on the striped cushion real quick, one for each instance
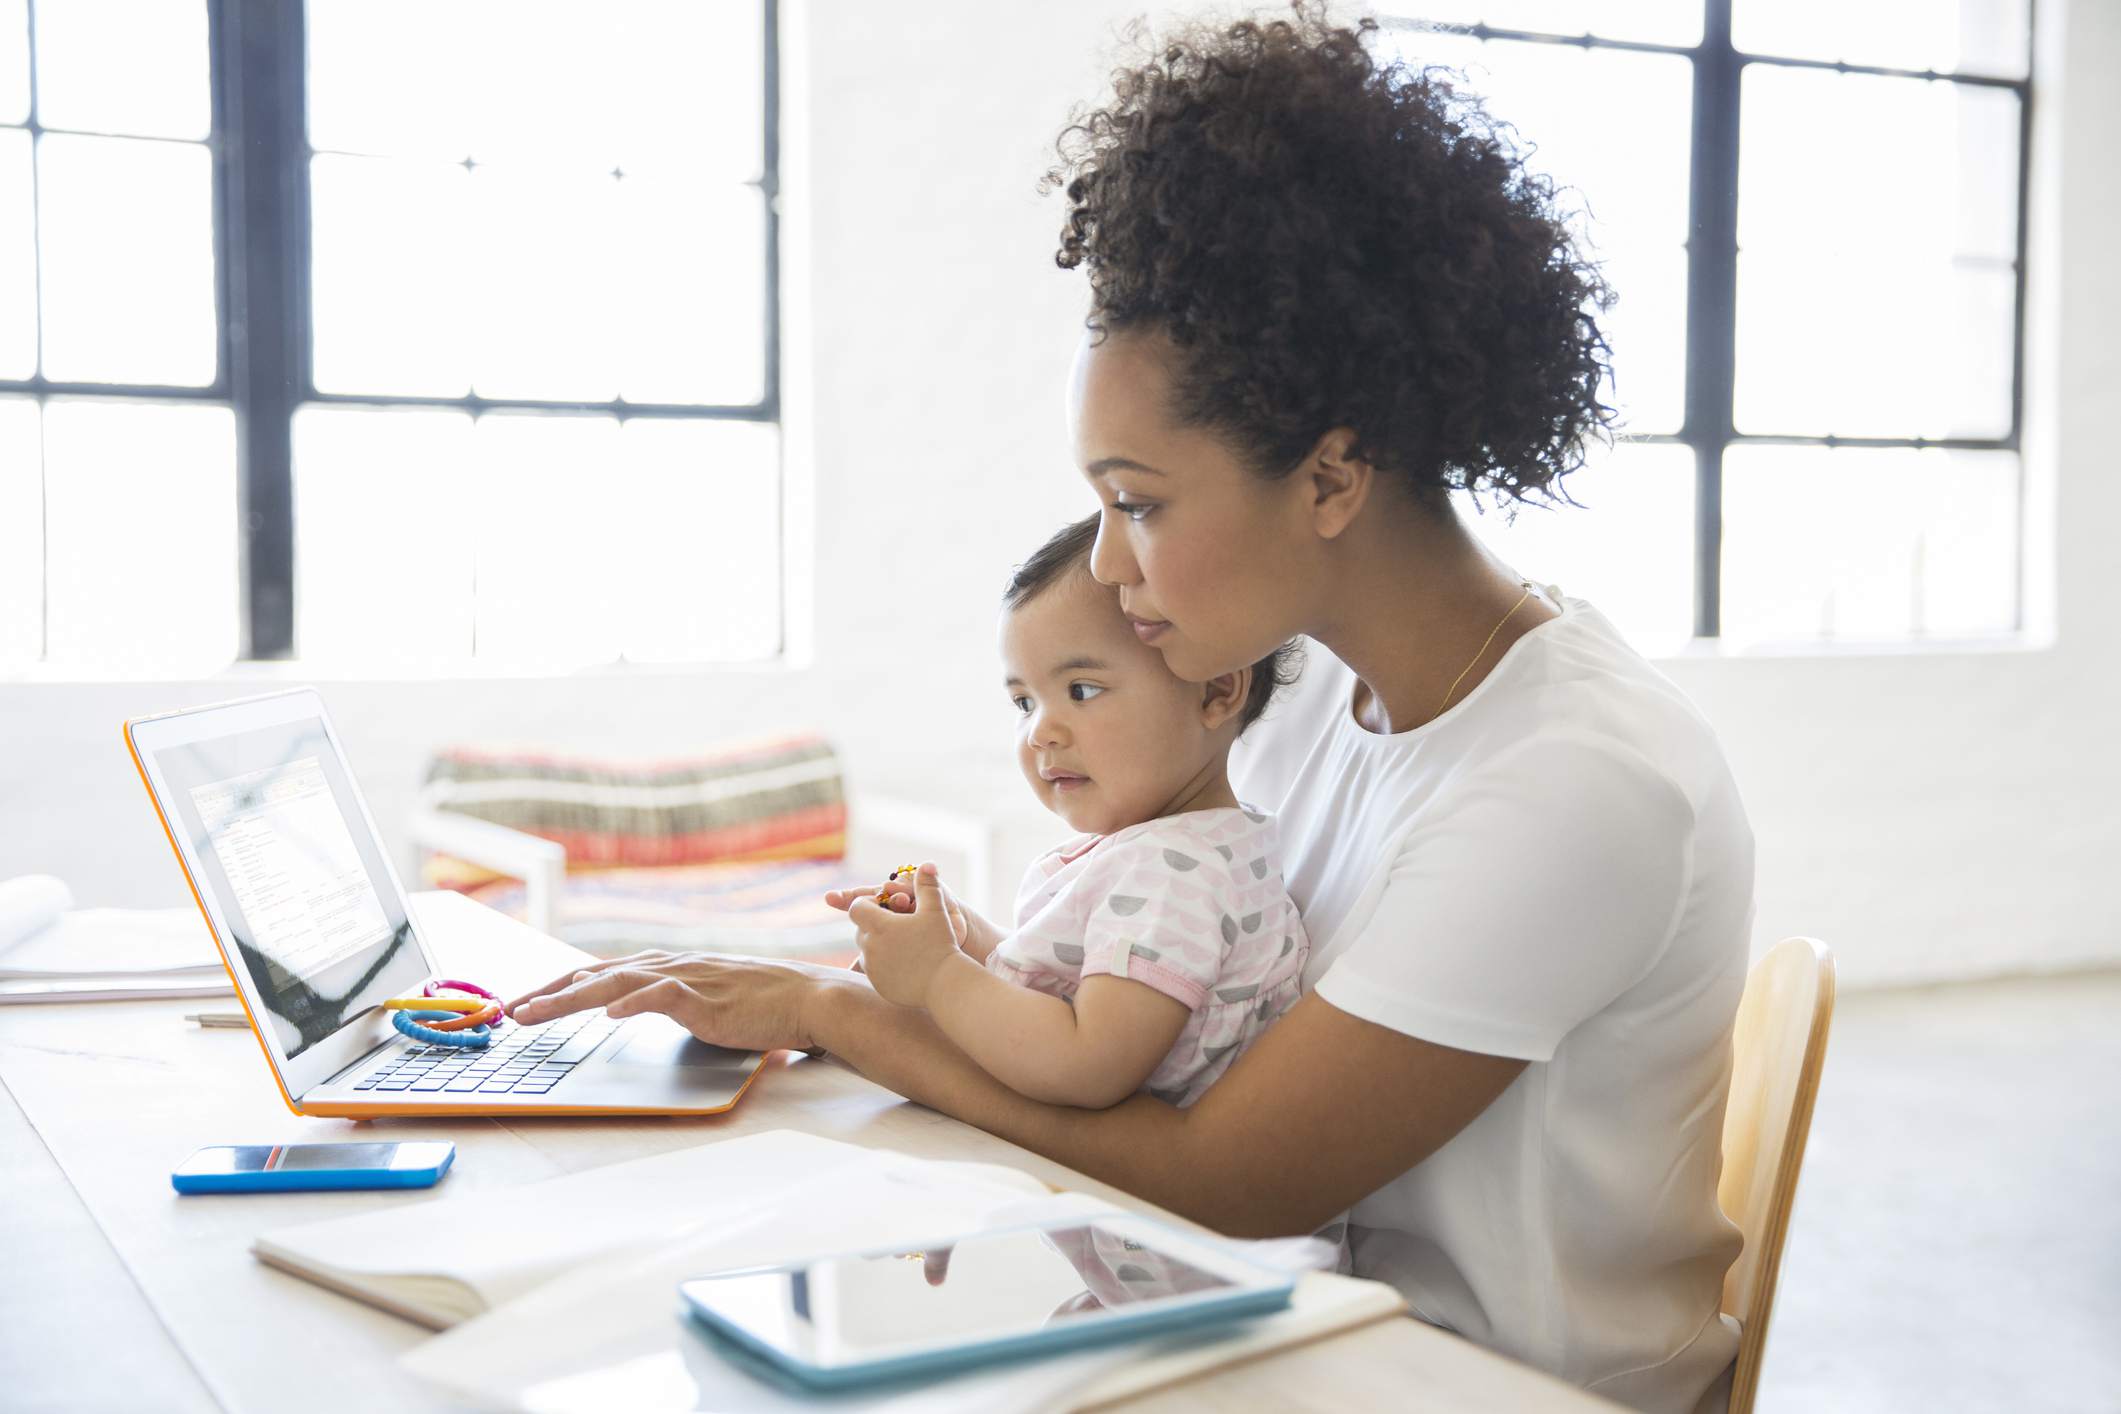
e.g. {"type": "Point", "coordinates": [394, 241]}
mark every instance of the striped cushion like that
{"type": "Point", "coordinates": [764, 800]}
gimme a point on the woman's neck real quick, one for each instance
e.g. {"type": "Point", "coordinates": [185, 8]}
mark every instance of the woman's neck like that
{"type": "Point", "coordinates": [1414, 598]}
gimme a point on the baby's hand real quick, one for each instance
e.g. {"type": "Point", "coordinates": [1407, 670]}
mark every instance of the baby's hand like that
{"type": "Point", "coordinates": [895, 895]}
{"type": "Point", "coordinates": [902, 953]}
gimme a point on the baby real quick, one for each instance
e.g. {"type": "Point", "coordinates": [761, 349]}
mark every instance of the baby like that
{"type": "Point", "coordinates": [1155, 945]}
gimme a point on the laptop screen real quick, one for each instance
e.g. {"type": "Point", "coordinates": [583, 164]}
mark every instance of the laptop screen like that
{"type": "Point", "coordinates": [271, 818]}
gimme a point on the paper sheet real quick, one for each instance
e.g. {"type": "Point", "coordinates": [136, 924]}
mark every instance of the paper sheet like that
{"type": "Point", "coordinates": [116, 942]}
{"type": "Point", "coordinates": [30, 904]}
{"type": "Point", "coordinates": [540, 1232]}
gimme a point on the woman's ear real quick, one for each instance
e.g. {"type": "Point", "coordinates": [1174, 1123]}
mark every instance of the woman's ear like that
{"type": "Point", "coordinates": [1336, 482]}
{"type": "Point", "coordinates": [1222, 698]}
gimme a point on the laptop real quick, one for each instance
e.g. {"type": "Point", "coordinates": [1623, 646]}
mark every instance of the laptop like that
{"type": "Point", "coordinates": [283, 859]}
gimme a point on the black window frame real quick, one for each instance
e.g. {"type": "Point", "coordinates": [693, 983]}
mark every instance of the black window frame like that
{"type": "Point", "coordinates": [265, 333]}
{"type": "Point", "coordinates": [1708, 427]}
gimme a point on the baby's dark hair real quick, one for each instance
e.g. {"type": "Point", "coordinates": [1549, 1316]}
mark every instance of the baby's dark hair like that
{"type": "Point", "coordinates": [1330, 237]}
{"type": "Point", "coordinates": [1069, 549]}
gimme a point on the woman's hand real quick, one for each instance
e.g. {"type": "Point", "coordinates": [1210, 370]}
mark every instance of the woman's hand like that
{"type": "Point", "coordinates": [902, 953]}
{"type": "Point", "coordinates": [746, 1003]}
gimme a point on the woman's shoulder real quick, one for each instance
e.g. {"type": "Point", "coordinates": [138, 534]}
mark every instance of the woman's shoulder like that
{"type": "Point", "coordinates": [1586, 694]}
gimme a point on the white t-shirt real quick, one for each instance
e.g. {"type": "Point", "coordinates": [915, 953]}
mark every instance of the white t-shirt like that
{"type": "Point", "coordinates": [1557, 869]}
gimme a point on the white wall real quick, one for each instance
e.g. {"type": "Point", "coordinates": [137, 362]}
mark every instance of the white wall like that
{"type": "Point", "coordinates": [1931, 815]}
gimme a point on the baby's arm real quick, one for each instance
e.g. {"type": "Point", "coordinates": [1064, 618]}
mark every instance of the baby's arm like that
{"type": "Point", "coordinates": [1091, 1055]}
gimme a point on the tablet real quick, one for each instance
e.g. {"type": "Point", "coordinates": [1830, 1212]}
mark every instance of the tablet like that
{"type": "Point", "coordinates": [851, 1318]}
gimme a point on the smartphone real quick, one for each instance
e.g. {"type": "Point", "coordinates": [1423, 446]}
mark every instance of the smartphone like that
{"type": "Point", "coordinates": [1003, 1294]}
{"type": "Point", "coordinates": [280, 1168]}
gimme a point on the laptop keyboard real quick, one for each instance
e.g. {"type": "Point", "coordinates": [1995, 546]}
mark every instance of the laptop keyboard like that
{"type": "Point", "coordinates": [526, 1061]}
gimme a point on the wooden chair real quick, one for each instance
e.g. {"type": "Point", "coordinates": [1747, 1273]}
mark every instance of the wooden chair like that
{"type": "Point", "coordinates": [1777, 1049]}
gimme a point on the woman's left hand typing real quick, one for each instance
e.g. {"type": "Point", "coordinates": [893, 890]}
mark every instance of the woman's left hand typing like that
{"type": "Point", "coordinates": [749, 1003]}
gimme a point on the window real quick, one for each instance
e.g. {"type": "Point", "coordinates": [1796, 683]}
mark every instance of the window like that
{"type": "Point", "coordinates": [1813, 214]}
{"type": "Point", "coordinates": [389, 332]}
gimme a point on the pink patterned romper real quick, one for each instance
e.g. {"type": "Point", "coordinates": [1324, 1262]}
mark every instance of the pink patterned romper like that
{"type": "Point", "coordinates": [1191, 905]}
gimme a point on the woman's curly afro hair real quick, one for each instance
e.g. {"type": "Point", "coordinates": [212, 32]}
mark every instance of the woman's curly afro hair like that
{"type": "Point", "coordinates": [1333, 241]}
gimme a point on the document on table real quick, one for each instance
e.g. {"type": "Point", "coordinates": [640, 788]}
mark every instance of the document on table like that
{"type": "Point", "coordinates": [29, 905]}
{"type": "Point", "coordinates": [115, 954]}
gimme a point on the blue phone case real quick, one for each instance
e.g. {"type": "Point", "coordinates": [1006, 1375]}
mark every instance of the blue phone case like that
{"type": "Point", "coordinates": [1052, 1340]}
{"type": "Point", "coordinates": [307, 1180]}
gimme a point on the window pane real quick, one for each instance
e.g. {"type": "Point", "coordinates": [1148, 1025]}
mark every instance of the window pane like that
{"type": "Point", "coordinates": [700, 506]}
{"type": "Point", "coordinates": [376, 488]}
{"type": "Point", "coordinates": [124, 66]}
{"type": "Point", "coordinates": [1864, 544]}
{"type": "Point", "coordinates": [1810, 171]}
{"type": "Point", "coordinates": [18, 258]}
{"type": "Point", "coordinates": [140, 512]}
{"type": "Point", "coordinates": [552, 583]}
{"type": "Point", "coordinates": [1873, 349]}
{"type": "Point", "coordinates": [1646, 328]}
{"type": "Point", "coordinates": [687, 291]}
{"type": "Point", "coordinates": [388, 76]}
{"type": "Point", "coordinates": [390, 276]}
{"type": "Point", "coordinates": [670, 83]}
{"type": "Point", "coordinates": [689, 97]}
{"type": "Point", "coordinates": [530, 52]}
{"type": "Point", "coordinates": [1652, 21]}
{"type": "Point", "coordinates": [14, 61]}
{"type": "Point", "coordinates": [21, 532]}
{"type": "Point", "coordinates": [1627, 545]}
{"type": "Point", "coordinates": [1875, 298]}
{"type": "Point", "coordinates": [1611, 129]}
{"type": "Point", "coordinates": [1964, 36]}
{"type": "Point", "coordinates": [128, 248]}
{"type": "Point", "coordinates": [541, 299]}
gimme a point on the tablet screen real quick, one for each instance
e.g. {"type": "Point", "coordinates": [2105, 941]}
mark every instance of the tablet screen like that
{"type": "Point", "coordinates": [849, 1310]}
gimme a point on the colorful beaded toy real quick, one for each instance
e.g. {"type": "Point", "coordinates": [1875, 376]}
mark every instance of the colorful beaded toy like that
{"type": "Point", "coordinates": [448, 1013]}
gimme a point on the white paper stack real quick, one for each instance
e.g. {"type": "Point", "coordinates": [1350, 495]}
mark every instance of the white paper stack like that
{"type": "Point", "coordinates": [52, 952]}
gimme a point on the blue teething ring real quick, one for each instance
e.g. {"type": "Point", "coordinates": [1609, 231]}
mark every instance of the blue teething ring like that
{"type": "Point", "coordinates": [409, 1023]}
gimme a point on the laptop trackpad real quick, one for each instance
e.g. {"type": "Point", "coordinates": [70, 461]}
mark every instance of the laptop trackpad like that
{"type": "Point", "coordinates": [659, 1041]}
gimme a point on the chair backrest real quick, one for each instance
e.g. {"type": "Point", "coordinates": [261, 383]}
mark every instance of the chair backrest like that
{"type": "Point", "coordinates": [1777, 1049]}
{"type": "Point", "coordinates": [772, 799]}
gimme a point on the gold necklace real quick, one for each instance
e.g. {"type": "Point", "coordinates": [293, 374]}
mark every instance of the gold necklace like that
{"type": "Point", "coordinates": [1483, 649]}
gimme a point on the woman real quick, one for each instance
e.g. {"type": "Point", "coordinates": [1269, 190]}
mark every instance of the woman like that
{"type": "Point", "coordinates": [1324, 296]}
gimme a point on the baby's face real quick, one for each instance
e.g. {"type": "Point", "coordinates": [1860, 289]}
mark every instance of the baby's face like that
{"type": "Point", "coordinates": [1106, 736]}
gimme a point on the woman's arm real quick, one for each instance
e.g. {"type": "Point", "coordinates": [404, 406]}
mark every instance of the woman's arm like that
{"type": "Point", "coordinates": [1323, 1110]}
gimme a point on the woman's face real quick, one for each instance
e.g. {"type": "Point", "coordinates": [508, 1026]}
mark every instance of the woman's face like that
{"type": "Point", "coordinates": [1214, 564]}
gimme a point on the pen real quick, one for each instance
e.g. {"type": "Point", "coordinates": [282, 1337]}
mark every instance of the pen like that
{"type": "Point", "coordinates": [219, 1018]}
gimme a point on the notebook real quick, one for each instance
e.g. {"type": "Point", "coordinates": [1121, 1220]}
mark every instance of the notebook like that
{"type": "Point", "coordinates": [530, 1234]}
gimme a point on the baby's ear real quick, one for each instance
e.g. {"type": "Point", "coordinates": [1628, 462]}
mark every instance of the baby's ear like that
{"type": "Point", "coordinates": [1222, 698]}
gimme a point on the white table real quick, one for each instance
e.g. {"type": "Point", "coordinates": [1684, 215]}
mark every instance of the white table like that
{"type": "Point", "coordinates": [120, 1294]}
